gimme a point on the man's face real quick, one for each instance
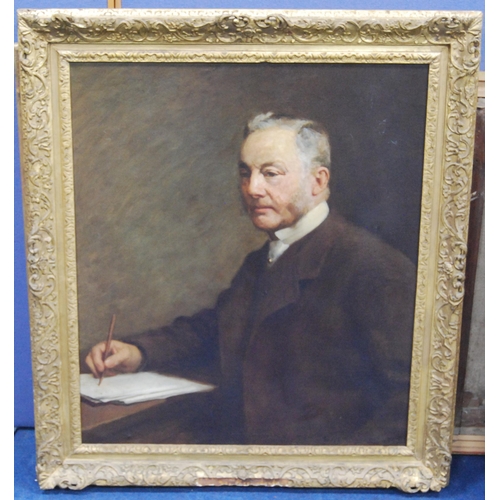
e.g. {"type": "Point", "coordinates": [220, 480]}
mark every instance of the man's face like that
{"type": "Point", "coordinates": [276, 189]}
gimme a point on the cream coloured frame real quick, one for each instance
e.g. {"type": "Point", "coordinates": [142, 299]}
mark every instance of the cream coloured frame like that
{"type": "Point", "coordinates": [50, 40]}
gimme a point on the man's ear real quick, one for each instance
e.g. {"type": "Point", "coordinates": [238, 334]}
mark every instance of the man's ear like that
{"type": "Point", "coordinates": [321, 179]}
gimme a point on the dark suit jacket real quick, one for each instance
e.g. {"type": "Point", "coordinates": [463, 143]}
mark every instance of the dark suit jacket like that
{"type": "Point", "coordinates": [314, 350]}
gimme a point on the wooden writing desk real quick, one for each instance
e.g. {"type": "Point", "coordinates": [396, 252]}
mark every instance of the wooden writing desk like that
{"type": "Point", "coordinates": [182, 419]}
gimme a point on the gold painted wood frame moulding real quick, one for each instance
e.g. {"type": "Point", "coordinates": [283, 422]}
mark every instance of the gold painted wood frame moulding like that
{"type": "Point", "coordinates": [51, 40]}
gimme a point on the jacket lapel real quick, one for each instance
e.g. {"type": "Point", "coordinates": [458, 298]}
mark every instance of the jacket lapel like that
{"type": "Point", "coordinates": [279, 285]}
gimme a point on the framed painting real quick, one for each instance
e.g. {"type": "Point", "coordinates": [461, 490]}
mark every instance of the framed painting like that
{"type": "Point", "coordinates": [246, 239]}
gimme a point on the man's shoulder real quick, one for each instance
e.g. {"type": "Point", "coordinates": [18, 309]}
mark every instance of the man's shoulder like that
{"type": "Point", "coordinates": [361, 251]}
{"type": "Point", "coordinates": [257, 257]}
{"type": "Point", "coordinates": [252, 265]}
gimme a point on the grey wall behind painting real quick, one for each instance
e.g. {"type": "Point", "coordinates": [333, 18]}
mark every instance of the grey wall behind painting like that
{"type": "Point", "coordinates": [160, 228]}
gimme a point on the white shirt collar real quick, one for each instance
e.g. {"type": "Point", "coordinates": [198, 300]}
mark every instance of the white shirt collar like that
{"type": "Point", "coordinates": [288, 235]}
{"type": "Point", "coordinates": [311, 220]}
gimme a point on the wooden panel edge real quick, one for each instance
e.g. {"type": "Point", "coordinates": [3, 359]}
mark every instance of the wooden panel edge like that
{"type": "Point", "coordinates": [468, 445]}
{"type": "Point", "coordinates": [481, 86]}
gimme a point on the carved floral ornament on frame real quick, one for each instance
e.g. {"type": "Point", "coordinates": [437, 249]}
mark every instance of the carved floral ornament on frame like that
{"type": "Point", "coordinates": [132, 153]}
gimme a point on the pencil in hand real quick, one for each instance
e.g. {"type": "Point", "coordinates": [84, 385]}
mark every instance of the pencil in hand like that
{"type": "Point", "coordinates": [107, 350]}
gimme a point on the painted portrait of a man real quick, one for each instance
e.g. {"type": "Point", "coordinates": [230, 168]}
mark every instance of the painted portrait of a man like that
{"type": "Point", "coordinates": [306, 329]}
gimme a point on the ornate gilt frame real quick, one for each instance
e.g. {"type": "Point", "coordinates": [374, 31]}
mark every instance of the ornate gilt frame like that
{"type": "Point", "coordinates": [50, 40]}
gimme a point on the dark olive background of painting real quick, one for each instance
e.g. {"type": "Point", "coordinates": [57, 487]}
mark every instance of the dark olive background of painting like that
{"type": "Point", "coordinates": [159, 226]}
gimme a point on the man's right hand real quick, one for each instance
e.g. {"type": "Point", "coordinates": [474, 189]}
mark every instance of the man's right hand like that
{"type": "Point", "coordinates": [123, 358]}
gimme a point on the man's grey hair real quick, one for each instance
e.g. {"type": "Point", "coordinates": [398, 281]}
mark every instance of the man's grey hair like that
{"type": "Point", "coordinates": [312, 138]}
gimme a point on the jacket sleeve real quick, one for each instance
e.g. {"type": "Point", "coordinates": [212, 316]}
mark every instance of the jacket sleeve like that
{"type": "Point", "coordinates": [186, 347]}
{"type": "Point", "coordinates": [384, 304]}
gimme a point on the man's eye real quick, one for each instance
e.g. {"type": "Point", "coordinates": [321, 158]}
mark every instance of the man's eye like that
{"type": "Point", "coordinates": [270, 174]}
{"type": "Point", "coordinates": [244, 174]}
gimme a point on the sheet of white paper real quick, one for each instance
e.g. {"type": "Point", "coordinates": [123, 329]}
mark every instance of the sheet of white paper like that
{"type": "Point", "coordinates": [131, 388]}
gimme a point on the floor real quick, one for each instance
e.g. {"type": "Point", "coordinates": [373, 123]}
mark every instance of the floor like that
{"type": "Point", "coordinates": [467, 482]}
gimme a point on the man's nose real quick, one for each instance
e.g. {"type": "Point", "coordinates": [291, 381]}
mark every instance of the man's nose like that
{"type": "Point", "coordinates": [255, 185]}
